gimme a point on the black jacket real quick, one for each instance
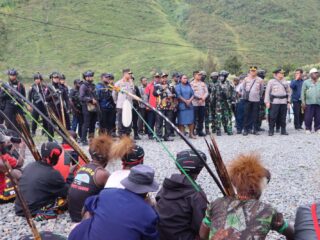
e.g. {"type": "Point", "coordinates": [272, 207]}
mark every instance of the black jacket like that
{"type": "Point", "coordinates": [40, 185]}
{"type": "Point", "coordinates": [181, 209]}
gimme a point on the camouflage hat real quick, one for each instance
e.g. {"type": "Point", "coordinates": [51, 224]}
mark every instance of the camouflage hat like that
{"type": "Point", "coordinates": [203, 73]}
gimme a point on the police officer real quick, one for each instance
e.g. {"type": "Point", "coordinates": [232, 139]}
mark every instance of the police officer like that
{"type": "Point", "coordinates": [224, 97]}
{"type": "Point", "coordinates": [207, 103]}
{"type": "Point", "coordinates": [57, 98]}
{"type": "Point", "coordinates": [252, 91]}
{"type": "Point", "coordinates": [90, 106]}
{"type": "Point", "coordinates": [107, 117]}
{"type": "Point", "coordinates": [75, 103]}
{"type": "Point", "coordinates": [10, 107]}
{"type": "Point", "coordinates": [36, 95]}
{"type": "Point", "coordinates": [213, 98]}
{"type": "Point", "coordinates": [277, 100]}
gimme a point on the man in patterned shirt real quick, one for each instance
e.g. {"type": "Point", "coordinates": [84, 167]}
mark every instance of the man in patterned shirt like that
{"type": "Point", "coordinates": [244, 217]}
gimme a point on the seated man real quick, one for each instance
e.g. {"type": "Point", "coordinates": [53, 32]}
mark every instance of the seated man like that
{"type": "Point", "coordinates": [118, 214]}
{"type": "Point", "coordinates": [92, 177]}
{"type": "Point", "coordinates": [133, 158]}
{"type": "Point", "coordinates": [180, 207]}
{"type": "Point", "coordinates": [41, 185]}
{"type": "Point", "coordinates": [15, 159]}
{"type": "Point", "coordinates": [245, 216]}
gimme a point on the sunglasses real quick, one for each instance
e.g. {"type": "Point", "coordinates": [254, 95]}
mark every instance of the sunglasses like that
{"type": "Point", "coordinates": [253, 68]}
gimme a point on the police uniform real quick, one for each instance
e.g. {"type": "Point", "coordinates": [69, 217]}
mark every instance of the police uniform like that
{"type": "Point", "coordinates": [278, 95]}
{"type": "Point", "coordinates": [10, 106]}
{"type": "Point", "coordinates": [36, 95]}
{"type": "Point", "coordinates": [77, 119]}
{"type": "Point", "coordinates": [89, 110]}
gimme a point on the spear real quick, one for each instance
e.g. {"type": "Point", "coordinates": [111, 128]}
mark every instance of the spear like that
{"type": "Point", "coordinates": [24, 205]}
{"type": "Point", "coordinates": [29, 142]}
{"type": "Point", "coordinates": [73, 144]}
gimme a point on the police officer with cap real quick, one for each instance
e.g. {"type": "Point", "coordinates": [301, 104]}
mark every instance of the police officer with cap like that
{"type": "Point", "coordinates": [56, 97]}
{"type": "Point", "coordinates": [277, 100]}
{"type": "Point", "coordinates": [90, 106]}
{"type": "Point", "coordinates": [107, 117]}
{"type": "Point", "coordinates": [10, 106]}
{"type": "Point", "coordinates": [36, 95]}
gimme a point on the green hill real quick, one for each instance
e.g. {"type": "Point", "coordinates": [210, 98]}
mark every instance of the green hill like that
{"type": "Point", "coordinates": [152, 35]}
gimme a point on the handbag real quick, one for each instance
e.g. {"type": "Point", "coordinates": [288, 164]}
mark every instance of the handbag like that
{"type": "Point", "coordinates": [91, 107]}
{"type": "Point", "coordinates": [247, 93]}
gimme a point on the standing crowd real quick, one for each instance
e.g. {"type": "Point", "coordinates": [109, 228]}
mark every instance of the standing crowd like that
{"type": "Point", "coordinates": [203, 105]}
{"type": "Point", "coordinates": [118, 205]}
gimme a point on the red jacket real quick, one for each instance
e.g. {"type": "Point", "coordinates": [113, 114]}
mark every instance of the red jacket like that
{"type": "Point", "coordinates": [13, 163]}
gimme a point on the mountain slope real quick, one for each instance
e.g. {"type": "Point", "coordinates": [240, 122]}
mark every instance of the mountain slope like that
{"type": "Point", "coordinates": [152, 35]}
{"type": "Point", "coordinates": [33, 46]}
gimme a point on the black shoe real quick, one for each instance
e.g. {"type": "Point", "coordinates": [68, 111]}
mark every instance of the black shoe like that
{"type": "Point", "coordinates": [207, 132]}
{"type": "Point", "coordinates": [239, 131]}
{"type": "Point", "coordinates": [218, 133]}
{"type": "Point", "coordinates": [270, 133]}
{"type": "Point", "coordinates": [245, 133]}
{"type": "Point", "coordinates": [201, 134]}
{"type": "Point", "coordinates": [172, 134]}
{"type": "Point", "coordinates": [261, 130]}
{"type": "Point", "coordinates": [136, 137]}
{"type": "Point", "coordinates": [255, 133]}
{"type": "Point", "coordinates": [33, 135]}
{"type": "Point", "coordinates": [230, 133]}
{"type": "Point", "coordinates": [285, 133]}
{"type": "Point", "coordinates": [150, 137]}
{"type": "Point", "coordinates": [167, 139]}
{"type": "Point", "coordinates": [277, 130]}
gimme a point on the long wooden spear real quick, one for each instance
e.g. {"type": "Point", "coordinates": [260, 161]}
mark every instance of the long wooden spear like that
{"type": "Point", "coordinates": [29, 141]}
{"type": "Point", "coordinates": [74, 145]}
{"type": "Point", "coordinates": [24, 205]}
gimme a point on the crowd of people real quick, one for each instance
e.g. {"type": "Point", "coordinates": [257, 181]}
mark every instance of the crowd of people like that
{"type": "Point", "coordinates": [205, 105]}
{"type": "Point", "coordinates": [118, 205]}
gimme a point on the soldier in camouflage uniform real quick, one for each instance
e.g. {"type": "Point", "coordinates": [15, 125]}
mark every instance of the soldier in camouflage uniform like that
{"type": "Point", "coordinates": [224, 97]}
{"type": "Point", "coordinates": [213, 101]}
{"type": "Point", "coordinates": [262, 108]}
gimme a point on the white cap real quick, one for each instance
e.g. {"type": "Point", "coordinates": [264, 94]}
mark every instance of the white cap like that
{"type": "Point", "coordinates": [313, 70]}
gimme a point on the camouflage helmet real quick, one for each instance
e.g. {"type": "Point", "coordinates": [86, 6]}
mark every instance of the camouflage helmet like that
{"type": "Point", "coordinates": [224, 73]}
{"type": "Point", "coordinates": [214, 75]}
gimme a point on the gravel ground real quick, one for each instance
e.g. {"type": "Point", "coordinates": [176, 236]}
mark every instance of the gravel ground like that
{"type": "Point", "coordinates": [293, 161]}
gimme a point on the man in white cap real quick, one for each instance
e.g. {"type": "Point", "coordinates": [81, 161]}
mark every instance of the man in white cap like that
{"type": "Point", "coordinates": [310, 97]}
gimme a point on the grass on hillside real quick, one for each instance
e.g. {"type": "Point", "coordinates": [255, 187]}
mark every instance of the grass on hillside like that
{"type": "Point", "coordinates": [32, 47]}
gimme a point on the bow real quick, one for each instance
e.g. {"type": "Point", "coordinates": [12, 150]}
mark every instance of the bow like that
{"type": "Point", "coordinates": [134, 97]}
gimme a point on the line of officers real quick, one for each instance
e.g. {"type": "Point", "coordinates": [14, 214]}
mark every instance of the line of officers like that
{"type": "Point", "coordinates": [247, 98]}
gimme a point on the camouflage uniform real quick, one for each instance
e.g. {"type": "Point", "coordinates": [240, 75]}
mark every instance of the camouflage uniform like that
{"type": "Point", "coordinates": [262, 108]}
{"type": "Point", "coordinates": [233, 219]}
{"type": "Point", "coordinates": [224, 97]}
{"type": "Point", "coordinates": [212, 88]}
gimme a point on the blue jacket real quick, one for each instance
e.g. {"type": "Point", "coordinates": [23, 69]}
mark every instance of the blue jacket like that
{"type": "Point", "coordinates": [104, 97]}
{"type": "Point", "coordinates": [296, 86]}
{"type": "Point", "coordinates": [117, 214]}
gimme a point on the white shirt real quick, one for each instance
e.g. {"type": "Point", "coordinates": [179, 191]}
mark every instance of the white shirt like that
{"type": "Point", "coordinates": [114, 181]}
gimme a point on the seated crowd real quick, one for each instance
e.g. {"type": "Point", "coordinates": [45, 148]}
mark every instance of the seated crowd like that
{"type": "Point", "coordinates": [120, 205]}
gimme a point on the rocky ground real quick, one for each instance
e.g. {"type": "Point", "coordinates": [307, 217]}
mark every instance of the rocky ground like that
{"type": "Point", "coordinates": [293, 161]}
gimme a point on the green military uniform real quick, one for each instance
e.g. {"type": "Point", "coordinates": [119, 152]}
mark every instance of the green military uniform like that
{"type": "Point", "coordinates": [212, 88]}
{"type": "Point", "coordinates": [224, 94]}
